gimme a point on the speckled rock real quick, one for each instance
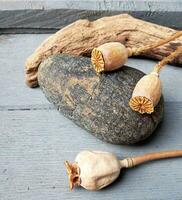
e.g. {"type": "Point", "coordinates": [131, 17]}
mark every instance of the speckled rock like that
{"type": "Point", "coordinates": [97, 103]}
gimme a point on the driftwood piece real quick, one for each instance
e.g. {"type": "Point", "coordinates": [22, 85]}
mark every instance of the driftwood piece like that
{"type": "Point", "coordinates": [80, 37]}
{"type": "Point", "coordinates": [99, 103]}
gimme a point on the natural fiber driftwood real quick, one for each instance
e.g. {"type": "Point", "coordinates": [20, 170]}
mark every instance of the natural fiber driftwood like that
{"type": "Point", "coordinates": [80, 37]}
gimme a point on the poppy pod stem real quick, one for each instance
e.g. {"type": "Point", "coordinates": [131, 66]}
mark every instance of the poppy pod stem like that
{"type": "Point", "coordinates": [140, 50]}
{"type": "Point", "coordinates": [168, 59]}
{"type": "Point", "coordinates": [113, 55]}
{"type": "Point", "coordinates": [148, 90]}
{"type": "Point", "coordinates": [134, 161]}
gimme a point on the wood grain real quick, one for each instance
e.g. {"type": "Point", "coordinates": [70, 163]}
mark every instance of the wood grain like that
{"type": "Point", "coordinates": [36, 143]}
{"type": "Point", "coordinates": [47, 16]}
{"type": "Point", "coordinates": [49, 21]}
{"type": "Point", "coordinates": [92, 4]}
{"type": "Point", "coordinates": [35, 138]}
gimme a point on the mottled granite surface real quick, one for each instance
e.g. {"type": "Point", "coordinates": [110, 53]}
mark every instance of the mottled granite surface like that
{"type": "Point", "coordinates": [97, 103]}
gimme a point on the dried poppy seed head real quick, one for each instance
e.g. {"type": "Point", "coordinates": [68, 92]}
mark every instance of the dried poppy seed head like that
{"type": "Point", "coordinates": [109, 56]}
{"type": "Point", "coordinates": [146, 94]}
{"type": "Point", "coordinates": [96, 170]}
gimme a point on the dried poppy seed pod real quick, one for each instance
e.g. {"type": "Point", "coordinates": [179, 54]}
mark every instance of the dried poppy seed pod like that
{"type": "Point", "coordinates": [113, 55]}
{"type": "Point", "coordinates": [146, 93]}
{"type": "Point", "coordinates": [95, 170]}
{"type": "Point", "coordinates": [109, 56]}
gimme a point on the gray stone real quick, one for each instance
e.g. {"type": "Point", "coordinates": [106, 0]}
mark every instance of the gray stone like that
{"type": "Point", "coordinates": [97, 103]}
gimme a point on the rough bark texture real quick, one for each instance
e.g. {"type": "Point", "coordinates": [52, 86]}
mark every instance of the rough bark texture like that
{"type": "Point", "coordinates": [82, 36]}
{"type": "Point", "coordinates": [97, 103]}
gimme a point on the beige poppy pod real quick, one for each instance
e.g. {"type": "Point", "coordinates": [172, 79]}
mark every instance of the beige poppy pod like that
{"type": "Point", "coordinates": [113, 55]}
{"type": "Point", "coordinates": [109, 56]}
{"type": "Point", "coordinates": [146, 93]}
{"type": "Point", "coordinates": [94, 170]}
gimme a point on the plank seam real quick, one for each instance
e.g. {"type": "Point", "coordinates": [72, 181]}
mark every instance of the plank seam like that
{"type": "Point", "coordinates": [27, 108]}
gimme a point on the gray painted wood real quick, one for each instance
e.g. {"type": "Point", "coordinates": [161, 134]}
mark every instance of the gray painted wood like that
{"type": "Point", "coordinates": [124, 5]}
{"type": "Point", "coordinates": [48, 16]}
{"type": "Point", "coordinates": [34, 145]}
{"type": "Point", "coordinates": [35, 138]}
{"type": "Point", "coordinates": [14, 50]}
{"type": "Point", "coordinates": [49, 21]}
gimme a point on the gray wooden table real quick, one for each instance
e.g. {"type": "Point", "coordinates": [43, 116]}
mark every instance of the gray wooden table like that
{"type": "Point", "coordinates": [35, 139]}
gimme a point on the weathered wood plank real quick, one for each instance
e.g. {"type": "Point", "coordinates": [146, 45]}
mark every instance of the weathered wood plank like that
{"type": "Point", "coordinates": [34, 145]}
{"type": "Point", "coordinates": [35, 138]}
{"type": "Point", "coordinates": [14, 92]}
{"type": "Point", "coordinates": [14, 50]}
{"type": "Point", "coordinates": [49, 21]}
{"type": "Point", "coordinates": [92, 5]}
{"type": "Point", "coordinates": [47, 16]}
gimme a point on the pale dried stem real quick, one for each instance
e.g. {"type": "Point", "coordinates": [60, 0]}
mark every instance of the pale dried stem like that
{"type": "Point", "coordinates": [134, 161]}
{"type": "Point", "coordinates": [138, 51]}
{"type": "Point", "coordinates": [167, 59]}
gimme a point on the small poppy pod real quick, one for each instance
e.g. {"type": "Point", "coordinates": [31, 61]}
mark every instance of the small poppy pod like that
{"type": "Point", "coordinates": [109, 56]}
{"type": "Point", "coordinates": [93, 170]}
{"type": "Point", "coordinates": [113, 55]}
{"type": "Point", "coordinates": [146, 94]}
